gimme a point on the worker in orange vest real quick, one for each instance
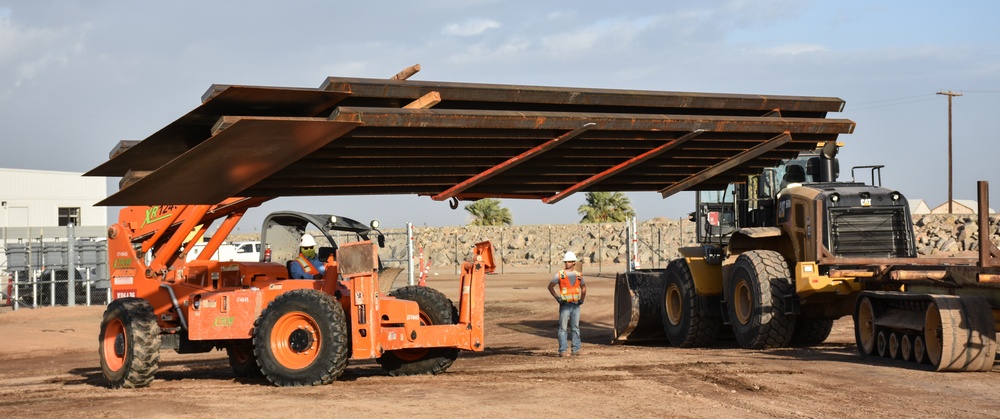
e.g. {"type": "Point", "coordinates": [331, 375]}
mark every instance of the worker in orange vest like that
{"type": "Point", "coordinates": [307, 265]}
{"type": "Point", "coordinates": [572, 291]}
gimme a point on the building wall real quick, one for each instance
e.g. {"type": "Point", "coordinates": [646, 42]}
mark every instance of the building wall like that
{"type": "Point", "coordinates": [32, 198]}
{"type": "Point", "coordinates": [30, 202]}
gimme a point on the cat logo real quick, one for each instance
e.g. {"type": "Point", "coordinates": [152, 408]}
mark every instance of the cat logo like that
{"type": "Point", "coordinates": [866, 202]}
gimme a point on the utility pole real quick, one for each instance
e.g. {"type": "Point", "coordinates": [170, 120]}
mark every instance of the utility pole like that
{"type": "Point", "coordinates": [950, 95]}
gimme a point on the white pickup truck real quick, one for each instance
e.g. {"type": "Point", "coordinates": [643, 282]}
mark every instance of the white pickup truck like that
{"type": "Point", "coordinates": [239, 251]}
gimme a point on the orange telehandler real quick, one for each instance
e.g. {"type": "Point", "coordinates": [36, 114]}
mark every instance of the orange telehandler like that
{"type": "Point", "coordinates": [294, 332]}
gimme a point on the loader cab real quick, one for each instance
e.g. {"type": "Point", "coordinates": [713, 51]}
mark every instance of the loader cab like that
{"type": "Point", "coordinates": [716, 215]}
{"type": "Point", "coordinates": [754, 202]}
{"type": "Point", "coordinates": [283, 230]}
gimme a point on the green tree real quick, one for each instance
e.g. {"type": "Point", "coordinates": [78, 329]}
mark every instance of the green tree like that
{"type": "Point", "coordinates": [488, 212]}
{"type": "Point", "coordinates": [606, 207]}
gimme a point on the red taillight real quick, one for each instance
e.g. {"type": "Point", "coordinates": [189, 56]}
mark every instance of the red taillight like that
{"type": "Point", "coordinates": [267, 254]}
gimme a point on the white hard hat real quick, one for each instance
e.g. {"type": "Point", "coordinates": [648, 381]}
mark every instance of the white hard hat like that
{"type": "Point", "coordinates": [569, 257]}
{"type": "Point", "coordinates": [307, 241]}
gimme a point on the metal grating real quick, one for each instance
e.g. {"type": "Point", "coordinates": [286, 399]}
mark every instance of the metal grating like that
{"type": "Point", "coordinates": [875, 232]}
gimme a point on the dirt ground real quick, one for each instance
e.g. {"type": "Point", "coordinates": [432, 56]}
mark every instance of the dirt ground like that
{"type": "Point", "coordinates": [49, 368]}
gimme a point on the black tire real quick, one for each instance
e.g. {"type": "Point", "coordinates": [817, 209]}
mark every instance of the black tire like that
{"type": "Point", "coordinates": [243, 361]}
{"type": "Point", "coordinates": [754, 294]}
{"type": "Point", "coordinates": [300, 339]}
{"type": "Point", "coordinates": [811, 331]}
{"type": "Point", "coordinates": [683, 324]}
{"type": "Point", "coordinates": [129, 343]}
{"type": "Point", "coordinates": [435, 309]}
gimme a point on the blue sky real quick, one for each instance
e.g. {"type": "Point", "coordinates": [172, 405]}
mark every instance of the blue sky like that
{"type": "Point", "coordinates": [76, 77]}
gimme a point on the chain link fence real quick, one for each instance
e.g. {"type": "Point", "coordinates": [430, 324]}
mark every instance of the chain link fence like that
{"type": "Point", "coordinates": [36, 270]}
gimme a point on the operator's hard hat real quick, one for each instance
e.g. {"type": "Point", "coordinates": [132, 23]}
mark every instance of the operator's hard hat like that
{"type": "Point", "coordinates": [307, 241]}
{"type": "Point", "coordinates": [569, 257]}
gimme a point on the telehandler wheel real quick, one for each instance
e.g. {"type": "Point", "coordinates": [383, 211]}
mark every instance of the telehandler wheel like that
{"type": "Point", "coordinates": [759, 282]}
{"type": "Point", "coordinates": [300, 339]}
{"type": "Point", "coordinates": [129, 343]}
{"type": "Point", "coordinates": [811, 331]}
{"type": "Point", "coordinates": [683, 324]}
{"type": "Point", "coordinates": [243, 361]}
{"type": "Point", "coordinates": [435, 308]}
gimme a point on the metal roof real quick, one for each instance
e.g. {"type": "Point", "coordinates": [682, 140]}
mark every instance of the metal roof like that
{"type": "Point", "coordinates": [466, 141]}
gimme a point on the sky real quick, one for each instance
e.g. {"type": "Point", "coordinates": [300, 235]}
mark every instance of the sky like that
{"type": "Point", "coordinates": [76, 77]}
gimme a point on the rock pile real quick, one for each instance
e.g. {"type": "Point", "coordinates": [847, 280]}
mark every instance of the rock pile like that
{"type": "Point", "coordinates": [606, 244]}
{"type": "Point", "coordinates": [659, 238]}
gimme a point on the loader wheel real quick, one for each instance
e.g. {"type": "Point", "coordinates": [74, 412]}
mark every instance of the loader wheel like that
{"type": "Point", "coordinates": [300, 339]}
{"type": "Point", "coordinates": [243, 361]}
{"type": "Point", "coordinates": [129, 343]}
{"type": "Point", "coordinates": [811, 331]}
{"type": "Point", "coordinates": [683, 324]}
{"type": "Point", "coordinates": [435, 309]}
{"type": "Point", "coordinates": [864, 326]}
{"type": "Point", "coordinates": [754, 292]}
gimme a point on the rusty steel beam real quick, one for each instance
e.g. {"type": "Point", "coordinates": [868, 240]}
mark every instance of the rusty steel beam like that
{"type": "Point", "coordinates": [651, 101]}
{"type": "Point", "coordinates": [493, 119]}
{"type": "Point", "coordinates": [236, 158]}
{"type": "Point", "coordinates": [621, 166]}
{"type": "Point", "coordinates": [727, 164]}
{"type": "Point", "coordinates": [989, 254]}
{"type": "Point", "coordinates": [191, 129]}
{"type": "Point", "coordinates": [511, 163]}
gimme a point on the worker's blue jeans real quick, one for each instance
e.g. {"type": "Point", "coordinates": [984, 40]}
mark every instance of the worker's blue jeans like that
{"type": "Point", "coordinates": [569, 318]}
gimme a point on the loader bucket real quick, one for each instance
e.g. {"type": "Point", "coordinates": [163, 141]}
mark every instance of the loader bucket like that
{"type": "Point", "coordinates": [638, 301]}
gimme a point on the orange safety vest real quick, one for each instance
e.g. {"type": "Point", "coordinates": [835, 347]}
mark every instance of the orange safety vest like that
{"type": "Point", "coordinates": [307, 266]}
{"type": "Point", "coordinates": [570, 292]}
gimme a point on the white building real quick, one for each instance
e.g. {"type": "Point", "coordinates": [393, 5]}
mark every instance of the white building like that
{"type": "Point", "coordinates": [38, 204]}
{"type": "Point", "coordinates": [918, 207]}
{"type": "Point", "coordinates": [960, 206]}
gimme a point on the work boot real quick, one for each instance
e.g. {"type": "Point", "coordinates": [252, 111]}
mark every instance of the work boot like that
{"type": "Point", "coordinates": [576, 353]}
{"type": "Point", "coordinates": [562, 354]}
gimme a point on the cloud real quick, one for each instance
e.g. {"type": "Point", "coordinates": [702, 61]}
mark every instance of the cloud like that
{"type": "Point", "coordinates": [615, 34]}
{"type": "Point", "coordinates": [471, 27]}
{"type": "Point", "coordinates": [512, 48]}
{"type": "Point", "coordinates": [26, 52]}
{"type": "Point", "coordinates": [794, 49]}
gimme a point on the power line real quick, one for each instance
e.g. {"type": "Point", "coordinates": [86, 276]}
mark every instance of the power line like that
{"type": "Point", "coordinates": [924, 98]}
{"type": "Point", "coordinates": [894, 99]}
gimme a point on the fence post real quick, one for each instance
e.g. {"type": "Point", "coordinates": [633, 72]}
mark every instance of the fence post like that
{"type": "Point", "coordinates": [550, 248]}
{"type": "Point", "coordinates": [70, 266]}
{"type": "Point", "coordinates": [17, 294]}
{"type": "Point", "coordinates": [410, 280]}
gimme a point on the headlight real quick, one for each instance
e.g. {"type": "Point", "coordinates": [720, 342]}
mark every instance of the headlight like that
{"type": "Point", "coordinates": [333, 219]}
{"type": "Point", "coordinates": [835, 197]}
{"type": "Point", "coordinates": [374, 224]}
{"type": "Point", "coordinates": [895, 196]}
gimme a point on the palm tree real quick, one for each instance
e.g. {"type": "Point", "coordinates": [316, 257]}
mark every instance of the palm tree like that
{"type": "Point", "coordinates": [606, 207]}
{"type": "Point", "coordinates": [488, 212]}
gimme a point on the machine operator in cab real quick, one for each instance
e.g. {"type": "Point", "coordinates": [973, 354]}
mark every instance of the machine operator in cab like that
{"type": "Point", "coordinates": [307, 265]}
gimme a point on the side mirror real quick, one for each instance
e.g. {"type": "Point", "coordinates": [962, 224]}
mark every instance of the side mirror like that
{"type": "Point", "coordinates": [691, 217]}
{"type": "Point", "coordinates": [381, 240]}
